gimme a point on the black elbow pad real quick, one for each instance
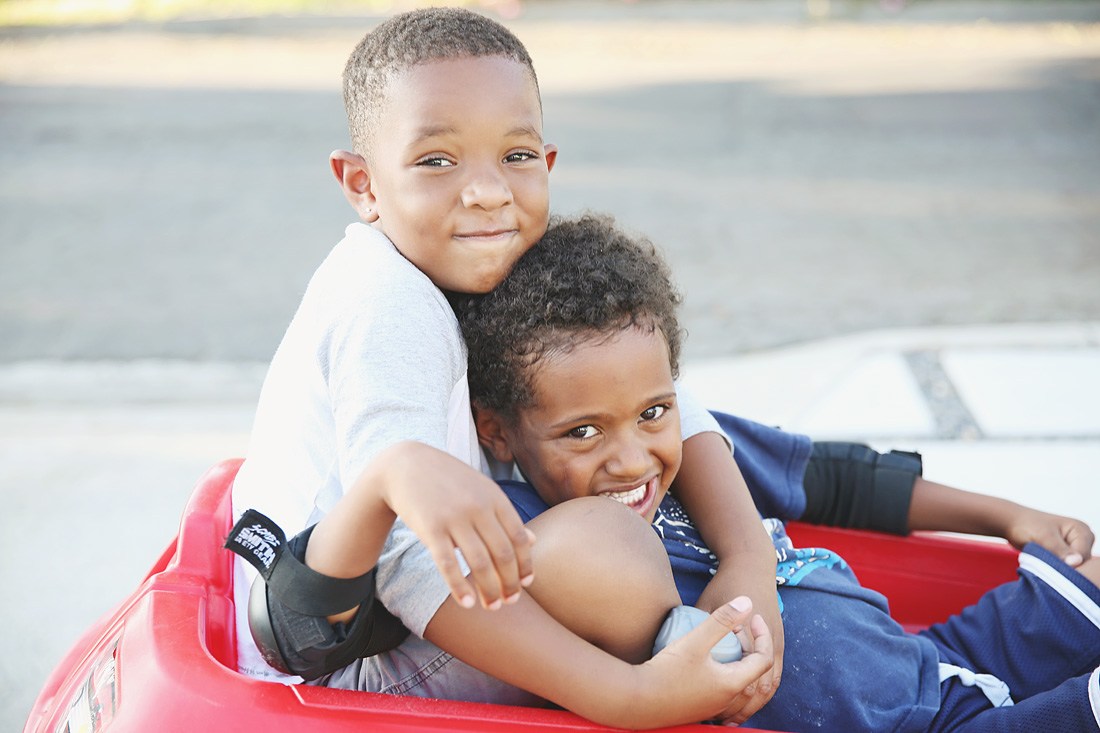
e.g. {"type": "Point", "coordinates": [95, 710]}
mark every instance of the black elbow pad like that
{"type": "Point", "coordinates": [289, 602]}
{"type": "Point", "coordinates": [851, 485]}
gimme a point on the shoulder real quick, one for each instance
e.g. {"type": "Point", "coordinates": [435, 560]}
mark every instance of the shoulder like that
{"type": "Point", "coordinates": [367, 292]}
{"type": "Point", "coordinates": [365, 268]}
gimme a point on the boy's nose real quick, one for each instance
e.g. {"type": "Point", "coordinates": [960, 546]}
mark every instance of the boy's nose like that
{"type": "Point", "coordinates": [486, 189]}
{"type": "Point", "coordinates": [629, 461]}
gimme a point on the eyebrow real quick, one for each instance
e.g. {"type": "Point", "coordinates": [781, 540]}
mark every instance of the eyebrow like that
{"type": "Point", "coordinates": [524, 131]}
{"type": "Point", "coordinates": [432, 131]}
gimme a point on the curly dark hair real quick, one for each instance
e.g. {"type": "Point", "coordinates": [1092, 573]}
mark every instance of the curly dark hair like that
{"type": "Point", "coordinates": [412, 38]}
{"type": "Point", "coordinates": [585, 279]}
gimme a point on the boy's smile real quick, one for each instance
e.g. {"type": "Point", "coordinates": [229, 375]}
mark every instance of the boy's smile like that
{"type": "Point", "coordinates": [459, 174]}
{"type": "Point", "coordinates": [604, 424]}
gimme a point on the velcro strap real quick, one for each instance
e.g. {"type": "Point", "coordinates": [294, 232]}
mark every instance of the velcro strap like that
{"type": "Point", "coordinates": [262, 543]}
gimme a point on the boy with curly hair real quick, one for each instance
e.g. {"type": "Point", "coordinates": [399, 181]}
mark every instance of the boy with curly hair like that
{"type": "Point", "coordinates": [572, 366]}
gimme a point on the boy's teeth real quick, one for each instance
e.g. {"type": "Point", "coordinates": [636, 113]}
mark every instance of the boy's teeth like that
{"type": "Point", "coordinates": [628, 497]}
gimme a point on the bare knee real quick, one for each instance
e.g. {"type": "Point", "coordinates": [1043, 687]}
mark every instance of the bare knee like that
{"type": "Point", "coordinates": [602, 572]}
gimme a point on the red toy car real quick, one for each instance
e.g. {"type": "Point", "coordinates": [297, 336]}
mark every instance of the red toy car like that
{"type": "Point", "coordinates": [165, 658]}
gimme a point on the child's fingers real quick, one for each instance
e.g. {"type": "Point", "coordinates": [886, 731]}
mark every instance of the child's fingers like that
{"type": "Point", "coordinates": [495, 547]}
{"type": "Point", "coordinates": [752, 669]}
{"type": "Point", "coordinates": [484, 575]}
{"type": "Point", "coordinates": [1067, 538]}
{"type": "Point", "coordinates": [732, 616]}
{"type": "Point", "coordinates": [1080, 540]}
{"type": "Point", "coordinates": [508, 544]}
{"type": "Point", "coordinates": [522, 541]}
{"type": "Point", "coordinates": [496, 574]}
{"type": "Point", "coordinates": [762, 641]}
{"type": "Point", "coordinates": [443, 552]}
{"type": "Point", "coordinates": [745, 637]}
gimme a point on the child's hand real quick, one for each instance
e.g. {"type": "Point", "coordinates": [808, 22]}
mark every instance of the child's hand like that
{"type": "Point", "coordinates": [691, 678]}
{"type": "Point", "coordinates": [450, 506]}
{"type": "Point", "coordinates": [1069, 539]}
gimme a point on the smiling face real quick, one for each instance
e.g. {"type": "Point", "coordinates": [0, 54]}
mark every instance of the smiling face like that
{"type": "Point", "coordinates": [604, 423]}
{"type": "Point", "coordinates": [458, 171]}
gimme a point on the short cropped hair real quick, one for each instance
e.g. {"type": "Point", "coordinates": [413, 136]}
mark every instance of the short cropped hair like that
{"type": "Point", "coordinates": [585, 279]}
{"type": "Point", "coordinates": [407, 40]}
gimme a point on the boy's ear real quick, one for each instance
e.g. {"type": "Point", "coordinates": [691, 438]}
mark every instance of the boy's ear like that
{"type": "Point", "coordinates": [550, 155]}
{"type": "Point", "coordinates": [353, 175]}
{"type": "Point", "coordinates": [490, 433]}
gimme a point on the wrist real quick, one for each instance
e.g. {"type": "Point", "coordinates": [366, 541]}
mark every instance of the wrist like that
{"type": "Point", "coordinates": [940, 508]}
{"type": "Point", "coordinates": [637, 697]}
{"type": "Point", "coordinates": [642, 684]}
{"type": "Point", "coordinates": [624, 692]}
{"type": "Point", "coordinates": [990, 516]}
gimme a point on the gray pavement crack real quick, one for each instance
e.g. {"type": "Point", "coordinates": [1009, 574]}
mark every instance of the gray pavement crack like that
{"type": "Point", "coordinates": [952, 417]}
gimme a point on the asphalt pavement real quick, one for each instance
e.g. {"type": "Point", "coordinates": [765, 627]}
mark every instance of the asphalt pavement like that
{"type": "Point", "coordinates": [165, 189]}
{"type": "Point", "coordinates": [886, 225]}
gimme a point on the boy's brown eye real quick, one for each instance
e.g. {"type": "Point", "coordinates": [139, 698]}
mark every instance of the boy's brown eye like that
{"type": "Point", "coordinates": [520, 156]}
{"type": "Point", "coordinates": [654, 412]}
{"type": "Point", "coordinates": [584, 431]}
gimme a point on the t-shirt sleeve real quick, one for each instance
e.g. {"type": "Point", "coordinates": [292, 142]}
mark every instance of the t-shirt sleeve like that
{"type": "Point", "coordinates": [772, 461]}
{"type": "Point", "coordinates": [390, 375]}
{"type": "Point", "coordinates": [694, 418]}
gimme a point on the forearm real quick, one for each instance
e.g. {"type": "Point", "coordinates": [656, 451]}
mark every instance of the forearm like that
{"type": "Point", "coordinates": [524, 646]}
{"type": "Point", "coordinates": [936, 507]}
{"type": "Point", "coordinates": [947, 509]}
{"type": "Point", "coordinates": [348, 540]}
{"type": "Point", "coordinates": [745, 567]}
{"type": "Point", "coordinates": [753, 575]}
{"type": "Point", "coordinates": [851, 485]}
{"type": "Point", "coordinates": [714, 493]}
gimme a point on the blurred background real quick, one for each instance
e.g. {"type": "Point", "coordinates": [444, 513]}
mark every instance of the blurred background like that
{"type": "Point", "coordinates": [813, 169]}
